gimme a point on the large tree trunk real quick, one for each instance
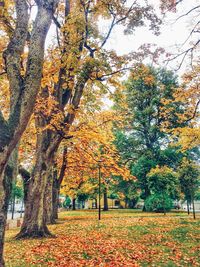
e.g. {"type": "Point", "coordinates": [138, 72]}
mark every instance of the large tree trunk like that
{"type": "Point", "coordinates": [36, 202]}
{"type": "Point", "coordinates": [34, 223]}
{"type": "Point", "coordinates": [105, 198]}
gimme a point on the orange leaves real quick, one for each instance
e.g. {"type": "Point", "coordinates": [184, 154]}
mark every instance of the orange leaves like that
{"type": "Point", "coordinates": [187, 100]}
{"type": "Point", "coordinates": [92, 141]}
{"type": "Point", "coordinates": [122, 239]}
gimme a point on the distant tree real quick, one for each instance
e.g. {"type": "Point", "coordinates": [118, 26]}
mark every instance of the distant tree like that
{"type": "Point", "coordinates": [158, 202]}
{"type": "Point", "coordinates": [163, 181]}
{"type": "Point", "coordinates": [16, 193]}
{"type": "Point", "coordinates": [189, 176]}
{"type": "Point", "coordinates": [125, 189]}
{"type": "Point", "coordinates": [141, 142]}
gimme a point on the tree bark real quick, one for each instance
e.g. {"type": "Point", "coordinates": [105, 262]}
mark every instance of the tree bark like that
{"type": "Point", "coordinates": [34, 223]}
{"type": "Point", "coordinates": [48, 199]}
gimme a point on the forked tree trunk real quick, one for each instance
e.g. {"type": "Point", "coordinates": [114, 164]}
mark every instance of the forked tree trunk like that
{"type": "Point", "coordinates": [105, 198]}
{"type": "Point", "coordinates": [34, 223]}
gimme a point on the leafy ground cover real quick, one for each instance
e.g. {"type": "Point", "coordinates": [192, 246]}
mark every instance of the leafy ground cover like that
{"type": "Point", "coordinates": [123, 238]}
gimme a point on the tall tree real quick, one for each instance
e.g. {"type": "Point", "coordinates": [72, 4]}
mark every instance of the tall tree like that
{"type": "Point", "coordinates": [81, 59]}
{"type": "Point", "coordinates": [142, 141]}
{"type": "Point", "coordinates": [23, 84]}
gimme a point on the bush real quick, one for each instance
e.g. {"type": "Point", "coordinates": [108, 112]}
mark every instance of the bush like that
{"type": "Point", "coordinates": [158, 203]}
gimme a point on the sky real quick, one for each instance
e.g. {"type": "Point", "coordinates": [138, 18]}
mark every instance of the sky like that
{"type": "Point", "coordinates": [173, 33]}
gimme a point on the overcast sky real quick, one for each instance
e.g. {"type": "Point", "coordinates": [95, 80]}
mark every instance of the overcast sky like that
{"type": "Point", "coordinates": [173, 33]}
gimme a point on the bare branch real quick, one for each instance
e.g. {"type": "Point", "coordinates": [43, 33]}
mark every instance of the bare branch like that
{"type": "Point", "coordinates": [184, 54]}
{"type": "Point", "coordinates": [187, 13]}
{"type": "Point", "coordinates": [57, 23]}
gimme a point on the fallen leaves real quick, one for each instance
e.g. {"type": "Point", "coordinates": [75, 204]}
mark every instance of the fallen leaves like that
{"type": "Point", "coordinates": [121, 239]}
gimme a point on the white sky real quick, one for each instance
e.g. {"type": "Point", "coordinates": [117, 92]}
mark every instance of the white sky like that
{"type": "Point", "coordinates": [173, 33]}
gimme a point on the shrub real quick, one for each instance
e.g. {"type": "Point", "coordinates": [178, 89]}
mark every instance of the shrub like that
{"type": "Point", "coordinates": [158, 203]}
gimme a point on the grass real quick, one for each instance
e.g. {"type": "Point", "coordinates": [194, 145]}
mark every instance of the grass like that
{"type": "Point", "coordinates": [123, 238]}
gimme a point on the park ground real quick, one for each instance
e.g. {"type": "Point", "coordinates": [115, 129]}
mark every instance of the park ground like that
{"type": "Point", "coordinates": [123, 238]}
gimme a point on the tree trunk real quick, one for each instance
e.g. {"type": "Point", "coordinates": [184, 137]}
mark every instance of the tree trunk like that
{"type": "Point", "coordinates": [147, 193]}
{"type": "Point", "coordinates": [126, 203]}
{"type": "Point", "coordinates": [57, 181]}
{"type": "Point", "coordinates": [188, 207]}
{"type": "Point", "coordinates": [193, 207]}
{"type": "Point", "coordinates": [96, 204]}
{"type": "Point", "coordinates": [55, 199]}
{"type": "Point", "coordinates": [48, 200]}
{"type": "Point", "coordinates": [34, 223]}
{"type": "Point", "coordinates": [13, 207]}
{"type": "Point", "coordinates": [74, 204]}
{"type": "Point", "coordinates": [105, 200]}
{"type": "Point", "coordinates": [164, 210]}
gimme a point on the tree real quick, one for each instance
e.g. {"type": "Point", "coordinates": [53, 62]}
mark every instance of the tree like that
{"type": "Point", "coordinates": [81, 59]}
{"type": "Point", "coordinates": [163, 181]}
{"type": "Point", "coordinates": [92, 142]}
{"type": "Point", "coordinates": [141, 141]}
{"type": "Point", "coordinates": [125, 189]}
{"type": "Point", "coordinates": [17, 192]}
{"type": "Point", "coordinates": [186, 133]}
{"type": "Point", "coordinates": [23, 83]}
{"type": "Point", "coordinates": [188, 173]}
